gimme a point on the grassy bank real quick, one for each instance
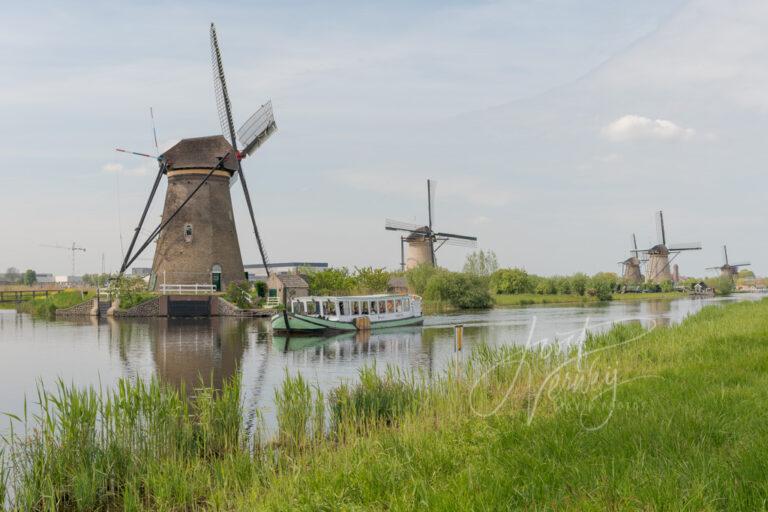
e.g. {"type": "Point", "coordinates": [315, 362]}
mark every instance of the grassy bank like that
{"type": "Point", "coordinates": [650, 296]}
{"type": "Point", "coordinates": [47, 307]}
{"type": "Point", "coordinates": [524, 299]}
{"type": "Point", "coordinates": [673, 419]}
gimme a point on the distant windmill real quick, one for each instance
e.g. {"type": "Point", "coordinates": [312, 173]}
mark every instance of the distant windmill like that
{"type": "Point", "coordinates": [197, 240]}
{"type": "Point", "coordinates": [631, 272]}
{"type": "Point", "coordinates": [658, 269]}
{"type": "Point", "coordinates": [728, 269]}
{"type": "Point", "coordinates": [423, 241]}
{"type": "Point", "coordinates": [73, 249]}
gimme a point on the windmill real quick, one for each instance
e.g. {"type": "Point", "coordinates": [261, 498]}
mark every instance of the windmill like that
{"type": "Point", "coordinates": [728, 269]}
{"type": "Point", "coordinates": [631, 272]}
{"type": "Point", "coordinates": [423, 241]}
{"type": "Point", "coordinates": [74, 249]}
{"type": "Point", "coordinates": [197, 240]}
{"type": "Point", "coordinates": [658, 269]}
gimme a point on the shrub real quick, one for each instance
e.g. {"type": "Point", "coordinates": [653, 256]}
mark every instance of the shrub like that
{"type": "Point", "coordinates": [371, 280]}
{"type": "Point", "coordinates": [462, 291]}
{"type": "Point", "coordinates": [419, 276]}
{"type": "Point", "coordinates": [512, 281]}
{"type": "Point", "coordinates": [239, 294]}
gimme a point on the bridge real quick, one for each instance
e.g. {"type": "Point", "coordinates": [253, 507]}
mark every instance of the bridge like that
{"type": "Point", "coordinates": [24, 295]}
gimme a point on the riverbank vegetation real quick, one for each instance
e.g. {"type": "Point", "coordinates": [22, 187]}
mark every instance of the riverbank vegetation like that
{"type": "Point", "coordinates": [46, 307]}
{"type": "Point", "coordinates": [674, 419]}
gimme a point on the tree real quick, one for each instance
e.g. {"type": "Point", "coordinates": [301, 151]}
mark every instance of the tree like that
{"type": "Point", "coordinates": [579, 282]}
{"type": "Point", "coordinates": [461, 290]}
{"type": "Point", "coordinates": [30, 277]}
{"type": "Point", "coordinates": [745, 272]}
{"type": "Point", "coordinates": [511, 281]}
{"type": "Point", "coordinates": [12, 274]}
{"type": "Point", "coordinates": [330, 281]}
{"type": "Point", "coordinates": [481, 263]}
{"type": "Point", "coordinates": [371, 280]}
{"type": "Point", "coordinates": [419, 276]}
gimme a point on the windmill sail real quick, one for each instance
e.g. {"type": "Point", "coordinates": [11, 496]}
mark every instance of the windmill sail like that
{"type": "Point", "coordinates": [257, 129]}
{"type": "Point", "coordinates": [224, 108]}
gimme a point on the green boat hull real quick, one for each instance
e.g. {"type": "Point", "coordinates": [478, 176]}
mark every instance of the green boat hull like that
{"type": "Point", "coordinates": [300, 323]}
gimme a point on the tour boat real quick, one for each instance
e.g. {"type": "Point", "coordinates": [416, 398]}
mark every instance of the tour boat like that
{"type": "Point", "coordinates": [364, 312]}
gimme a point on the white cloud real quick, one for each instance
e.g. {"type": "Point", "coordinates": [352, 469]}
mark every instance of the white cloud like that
{"type": "Point", "coordinates": [632, 127]}
{"type": "Point", "coordinates": [112, 167]}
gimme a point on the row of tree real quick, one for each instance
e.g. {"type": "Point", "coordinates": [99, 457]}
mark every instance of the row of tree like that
{"type": "Point", "coordinates": [28, 277]}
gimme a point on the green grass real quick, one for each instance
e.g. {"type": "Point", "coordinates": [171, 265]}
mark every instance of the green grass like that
{"type": "Point", "coordinates": [525, 299]}
{"type": "Point", "coordinates": [688, 430]}
{"type": "Point", "coordinates": [46, 307]}
{"type": "Point", "coordinates": [132, 299]}
{"type": "Point", "coordinates": [650, 296]}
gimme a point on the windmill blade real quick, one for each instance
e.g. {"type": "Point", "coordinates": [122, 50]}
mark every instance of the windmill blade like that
{"type": "Point", "coordinates": [691, 246]}
{"type": "Point", "coordinates": [713, 268]}
{"type": "Point", "coordinates": [431, 188]}
{"type": "Point", "coordinates": [257, 129]}
{"type": "Point", "coordinates": [121, 150]}
{"type": "Point", "coordinates": [634, 242]}
{"type": "Point", "coordinates": [745, 264]}
{"type": "Point", "coordinates": [223, 106]}
{"type": "Point", "coordinates": [725, 255]}
{"type": "Point", "coordinates": [452, 235]}
{"type": "Point", "coordinates": [661, 236]}
{"type": "Point", "coordinates": [396, 225]}
{"type": "Point", "coordinates": [154, 129]}
{"type": "Point", "coordinates": [459, 242]}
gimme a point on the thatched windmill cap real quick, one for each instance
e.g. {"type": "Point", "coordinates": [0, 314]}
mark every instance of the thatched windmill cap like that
{"type": "Point", "coordinates": [201, 153]}
{"type": "Point", "coordinates": [418, 235]}
{"type": "Point", "coordinates": [658, 249]}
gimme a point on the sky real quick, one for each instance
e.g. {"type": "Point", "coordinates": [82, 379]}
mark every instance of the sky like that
{"type": "Point", "coordinates": [554, 129]}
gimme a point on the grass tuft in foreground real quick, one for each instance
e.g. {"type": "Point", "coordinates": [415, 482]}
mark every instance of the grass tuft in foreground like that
{"type": "Point", "coordinates": [672, 419]}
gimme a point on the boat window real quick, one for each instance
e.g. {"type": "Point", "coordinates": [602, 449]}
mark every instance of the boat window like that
{"type": "Point", "coordinates": [342, 308]}
{"type": "Point", "coordinates": [406, 304]}
{"type": "Point", "coordinates": [355, 308]}
{"type": "Point", "coordinates": [399, 306]}
{"type": "Point", "coordinates": [312, 308]}
{"type": "Point", "coordinates": [373, 307]}
{"type": "Point", "coordinates": [330, 308]}
{"type": "Point", "coordinates": [382, 307]}
{"type": "Point", "coordinates": [317, 307]}
{"type": "Point", "coordinates": [365, 307]}
{"type": "Point", "coordinates": [390, 306]}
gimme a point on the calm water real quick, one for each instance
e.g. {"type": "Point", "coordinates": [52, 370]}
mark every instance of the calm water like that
{"type": "Point", "coordinates": [92, 351]}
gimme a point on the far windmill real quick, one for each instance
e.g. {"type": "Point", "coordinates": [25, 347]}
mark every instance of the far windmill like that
{"type": "Point", "coordinates": [658, 269]}
{"type": "Point", "coordinates": [728, 269]}
{"type": "Point", "coordinates": [423, 241]}
{"type": "Point", "coordinates": [631, 272]}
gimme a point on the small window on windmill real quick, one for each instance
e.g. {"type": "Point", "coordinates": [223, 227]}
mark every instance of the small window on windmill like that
{"type": "Point", "coordinates": [188, 233]}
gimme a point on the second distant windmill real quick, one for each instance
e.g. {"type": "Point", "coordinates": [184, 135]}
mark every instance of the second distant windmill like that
{"type": "Point", "coordinates": [423, 241]}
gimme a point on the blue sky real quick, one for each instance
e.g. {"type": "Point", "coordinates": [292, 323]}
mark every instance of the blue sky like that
{"type": "Point", "coordinates": [554, 129]}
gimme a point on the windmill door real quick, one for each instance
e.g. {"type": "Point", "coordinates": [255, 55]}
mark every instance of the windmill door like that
{"type": "Point", "coordinates": [216, 277]}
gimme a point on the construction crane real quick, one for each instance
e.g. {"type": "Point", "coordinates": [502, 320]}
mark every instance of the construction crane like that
{"type": "Point", "coordinates": [73, 249]}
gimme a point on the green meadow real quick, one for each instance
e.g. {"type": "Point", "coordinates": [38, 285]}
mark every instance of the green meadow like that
{"type": "Point", "coordinates": [672, 418]}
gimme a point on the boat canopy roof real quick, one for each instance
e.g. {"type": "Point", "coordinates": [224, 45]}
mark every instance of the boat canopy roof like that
{"type": "Point", "coordinates": [353, 297]}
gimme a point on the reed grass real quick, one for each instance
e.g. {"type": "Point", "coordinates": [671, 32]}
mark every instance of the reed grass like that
{"type": "Point", "coordinates": [686, 428]}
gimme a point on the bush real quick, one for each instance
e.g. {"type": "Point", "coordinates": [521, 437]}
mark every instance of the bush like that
{"type": "Point", "coordinates": [419, 276]}
{"type": "Point", "coordinates": [462, 291]}
{"type": "Point", "coordinates": [371, 280]}
{"type": "Point", "coordinates": [330, 281]}
{"type": "Point", "coordinates": [239, 294]}
{"type": "Point", "coordinates": [512, 281]}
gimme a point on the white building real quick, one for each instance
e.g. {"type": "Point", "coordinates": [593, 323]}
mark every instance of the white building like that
{"type": "Point", "coordinates": [68, 279]}
{"type": "Point", "coordinates": [256, 272]}
{"type": "Point", "coordinates": [45, 278]}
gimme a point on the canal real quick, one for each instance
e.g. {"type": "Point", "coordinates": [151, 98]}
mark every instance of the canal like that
{"type": "Point", "coordinates": [100, 351]}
